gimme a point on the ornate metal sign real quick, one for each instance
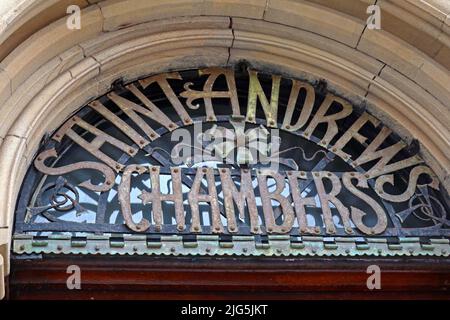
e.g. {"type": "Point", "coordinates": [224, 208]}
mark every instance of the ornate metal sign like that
{"type": "Point", "coordinates": [211, 155]}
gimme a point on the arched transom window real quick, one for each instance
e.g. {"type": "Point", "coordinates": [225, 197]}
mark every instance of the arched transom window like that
{"type": "Point", "coordinates": [218, 161]}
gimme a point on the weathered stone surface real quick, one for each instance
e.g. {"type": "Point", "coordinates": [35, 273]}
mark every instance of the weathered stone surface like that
{"type": "Point", "coordinates": [443, 57]}
{"type": "Point", "coordinates": [412, 29]}
{"type": "Point", "coordinates": [67, 59]}
{"type": "Point", "coordinates": [426, 10]}
{"type": "Point", "coordinates": [417, 93]}
{"type": "Point", "coordinates": [24, 19]}
{"type": "Point", "coordinates": [433, 136]}
{"type": "Point", "coordinates": [13, 107]}
{"type": "Point", "coordinates": [2, 270]}
{"type": "Point", "coordinates": [11, 172]}
{"type": "Point", "coordinates": [310, 39]}
{"type": "Point", "coordinates": [438, 8]}
{"type": "Point", "coordinates": [121, 14]}
{"type": "Point", "coordinates": [41, 108]}
{"type": "Point", "coordinates": [109, 39]}
{"type": "Point", "coordinates": [5, 249]}
{"type": "Point", "coordinates": [5, 87]}
{"type": "Point", "coordinates": [391, 50]}
{"type": "Point", "coordinates": [401, 111]}
{"type": "Point", "coordinates": [435, 79]}
{"type": "Point", "coordinates": [163, 62]}
{"type": "Point", "coordinates": [49, 42]}
{"type": "Point", "coordinates": [300, 57]}
{"type": "Point", "coordinates": [164, 42]}
{"type": "Point", "coordinates": [355, 8]}
{"type": "Point", "coordinates": [235, 8]}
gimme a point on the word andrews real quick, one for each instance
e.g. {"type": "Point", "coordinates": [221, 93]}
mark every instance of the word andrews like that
{"type": "Point", "coordinates": [379, 160]}
{"type": "Point", "coordinates": [246, 196]}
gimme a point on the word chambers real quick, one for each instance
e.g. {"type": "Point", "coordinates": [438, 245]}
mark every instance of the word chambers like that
{"type": "Point", "coordinates": [306, 123]}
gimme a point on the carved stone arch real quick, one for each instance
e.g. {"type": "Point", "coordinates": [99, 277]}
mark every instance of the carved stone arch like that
{"type": "Point", "coordinates": [400, 73]}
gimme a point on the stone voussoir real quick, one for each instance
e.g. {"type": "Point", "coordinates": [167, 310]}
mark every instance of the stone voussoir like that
{"type": "Point", "coordinates": [316, 18]}
{"type": "Point", "coordinates": [48, 43]}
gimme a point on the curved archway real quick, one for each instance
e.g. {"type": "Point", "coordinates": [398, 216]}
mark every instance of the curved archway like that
{"type": "Point", "coordinates": [399, 73]}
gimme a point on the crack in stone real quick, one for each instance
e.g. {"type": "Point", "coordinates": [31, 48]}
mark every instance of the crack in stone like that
{"type": "Point", "coordinates": [232, 41]}
{"type": "Point", "coordinates": [360, 36]}
{"type": "Point", "coordinates": [9, 80]}
{"type": "Point", "coordinates": [365, 27]}
{"type": "Point", "coordinates": [265, 9]}
{"type": "Point", "coordinates": [103, 17]}
{"type": "Point", "coordinates": [82, 50]}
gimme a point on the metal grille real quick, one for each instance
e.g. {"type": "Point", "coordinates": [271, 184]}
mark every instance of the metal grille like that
{"type": "Point", "coordinates": [61, 203]}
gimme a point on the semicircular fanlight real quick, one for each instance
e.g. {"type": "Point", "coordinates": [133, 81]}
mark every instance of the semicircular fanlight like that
{"type": "Point", "coordinates": [214, 152]}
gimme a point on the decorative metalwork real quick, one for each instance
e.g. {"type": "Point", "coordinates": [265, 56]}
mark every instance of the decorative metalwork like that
{"type": "Point", "coordinates": [173, 155]}
{"type": "Point", "coordinates": [59, 199]}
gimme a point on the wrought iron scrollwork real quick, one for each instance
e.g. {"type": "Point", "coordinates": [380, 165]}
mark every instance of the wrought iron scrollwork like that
{"type": "Point", "coordinates": [425, 207]}
{"type": "Point", "coordinates": [59, 199]}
